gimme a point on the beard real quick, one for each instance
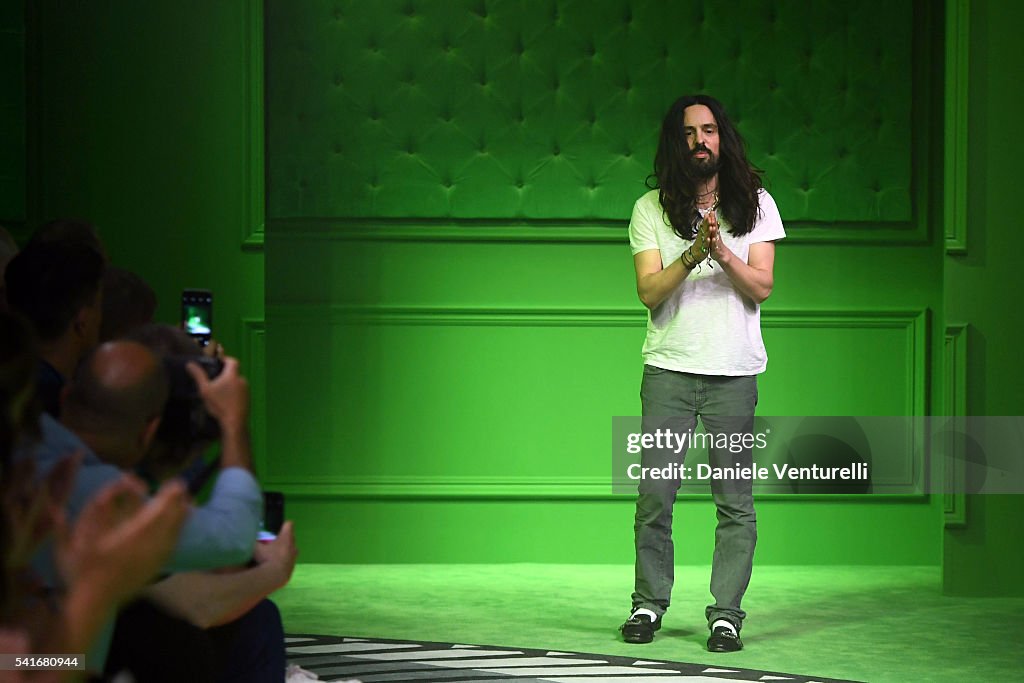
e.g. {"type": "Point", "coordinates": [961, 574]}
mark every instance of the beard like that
{"type": "Point", "coordinates": [703, 169]}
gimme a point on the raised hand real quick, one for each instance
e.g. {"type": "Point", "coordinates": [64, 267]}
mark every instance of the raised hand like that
{"type": "Point", "coordinates": [226, 396]}
{"type": "Point", "coordinates": [33, 509]}
{"type": "Point", "coordinates": [716, 246]}
{"type": "Point", "coordinates": [279, 554]}
{"type": "Point", "coordinates": [121, 540]}
{"type": "Point", "coordinates": [701, 246]}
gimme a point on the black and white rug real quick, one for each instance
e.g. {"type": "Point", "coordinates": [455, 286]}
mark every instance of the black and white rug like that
{"type": "Point", "coordinates": [371, 660]}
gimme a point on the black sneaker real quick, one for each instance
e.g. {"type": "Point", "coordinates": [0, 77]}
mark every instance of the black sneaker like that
{"type": "Point", "coordinates": [723, 639]}
{"type": "Point", "coordinates": [639, 628]}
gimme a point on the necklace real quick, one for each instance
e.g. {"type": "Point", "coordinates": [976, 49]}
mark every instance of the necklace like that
{"type": "Point", "coordinates": [714, 202]}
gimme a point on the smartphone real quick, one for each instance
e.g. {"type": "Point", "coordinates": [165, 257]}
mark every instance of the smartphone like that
{"type": "Point", "coordinates": [197, 314]}
{"type": "Point", "coordinates": [273, 515]}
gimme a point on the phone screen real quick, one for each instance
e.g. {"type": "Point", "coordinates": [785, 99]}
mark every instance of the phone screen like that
{"type": "Point", "coordinates": [197, 314]}
{"type": "Point", "coordinates": [273, 515]}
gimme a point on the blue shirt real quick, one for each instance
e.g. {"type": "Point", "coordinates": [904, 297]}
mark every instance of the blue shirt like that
{"type": "Point", "coordinates": [220, 533]}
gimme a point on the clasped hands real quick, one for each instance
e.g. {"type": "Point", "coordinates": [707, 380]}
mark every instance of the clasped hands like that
{"type": "Point", "coordinates": [707, 242]}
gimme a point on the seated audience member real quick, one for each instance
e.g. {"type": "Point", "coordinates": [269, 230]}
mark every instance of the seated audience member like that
{"type": "Point", "coordinates": [114, 404]}
{"type": "Point", "coordinates": [57, 288]}
{"type": "Point", "coordinates": [114, 548]}
{"type": "Point", "coordinates": [114, 410]}
{"type": "Point", "coordinates": [222, 617]}
{"type": "Point", "coordinates": [18, 416]}
{"type": "Point", "coordinates": [128, 303]}
{"type": "Point", "coordinates": [171, 455]}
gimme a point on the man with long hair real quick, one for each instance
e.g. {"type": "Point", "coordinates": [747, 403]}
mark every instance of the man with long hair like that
{"type": "Point", "coordinates": [703, 247]}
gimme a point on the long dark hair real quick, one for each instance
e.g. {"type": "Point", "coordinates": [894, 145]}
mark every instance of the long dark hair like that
{"type": "Point", "coordinates": [738, 180]}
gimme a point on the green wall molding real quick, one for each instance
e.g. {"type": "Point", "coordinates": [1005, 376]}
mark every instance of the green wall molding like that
{"type": "Point", "coordinates": [914, 323]}
{"type": "Point", "coordinates": [955, 130]}
{"type": "Point", "coordinates": [431, 487]}
{"type": "Point", "coordinates": [954, 404]}
{"type": "Point", "coordinates": [448, 230]}
{"type": "Point", "coordinates": [564, 231]}
{"type": "Point", "coordinates": [516, 488]}
{"type": "Point", "coordinates": [340, 314]}
{"type": "Point", "coordinates": [915, 320]}
{"type": "Point", "coordinates": [252, 129]}
{"type": "Point", "coordinates": [253, 360]}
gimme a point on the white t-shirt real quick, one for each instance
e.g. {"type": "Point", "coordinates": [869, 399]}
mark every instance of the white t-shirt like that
{"type": "Point", "coordinates": [705, 326]}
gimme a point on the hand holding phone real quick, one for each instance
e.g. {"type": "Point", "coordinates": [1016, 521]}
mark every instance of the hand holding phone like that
{"type": "Point", "coordinates": [273, 513]}
{"type": "Point", "coordinates": [279, 554]}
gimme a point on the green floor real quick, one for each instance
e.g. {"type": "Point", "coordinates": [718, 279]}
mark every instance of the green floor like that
{"type": "Point", "coordinates": [864, 623]}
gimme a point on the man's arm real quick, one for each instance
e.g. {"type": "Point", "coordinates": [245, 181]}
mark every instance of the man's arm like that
{"type": "Point", "coordinates": [654, 283]}
{"type": "Point", "coordinates": [755, 278]}
{"type": "Point", "coordinates": [208, 599]}
{"type": "Point", "coordinates": [117, 544]}
{"type": "Point", "coordinates": [222, 532]}
{"type": "Point", "coordinates": [226, 398]}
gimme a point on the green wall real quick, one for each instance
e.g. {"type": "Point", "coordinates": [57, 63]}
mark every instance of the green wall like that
{"type": "Point", "coordinates": [451, 310]}
{"type": "Point", "coordinates": [443, 374]}
{"type": "Point", "coordinates": [146, 120]}
{"type": "Point", "coordinates": [981, 550]}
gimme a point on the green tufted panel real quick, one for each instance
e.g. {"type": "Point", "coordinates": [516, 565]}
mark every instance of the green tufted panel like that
{"type": "Point", "coordinates": [12, 112]}
{"type": "Point", "coordinates": [550, 109]}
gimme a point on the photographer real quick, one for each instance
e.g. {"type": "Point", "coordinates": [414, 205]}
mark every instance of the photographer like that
{"type": "Point", "coordinates": [223, 619]}
{"type": "Point", "coordinates": [113, 409]}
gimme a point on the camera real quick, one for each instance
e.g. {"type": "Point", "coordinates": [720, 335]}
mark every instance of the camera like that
{"type": "Point", "coordinates": [185, 421]}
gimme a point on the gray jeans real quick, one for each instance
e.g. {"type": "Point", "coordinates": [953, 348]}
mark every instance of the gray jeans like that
{"type": "Point", "coordinates": [724, 405]}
